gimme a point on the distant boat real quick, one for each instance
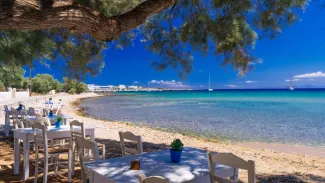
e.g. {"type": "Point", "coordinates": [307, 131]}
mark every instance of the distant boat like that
{"type": "Point", "coordinates": [210, 89]}
{"type": "Point", "coordinates": [291, 87]}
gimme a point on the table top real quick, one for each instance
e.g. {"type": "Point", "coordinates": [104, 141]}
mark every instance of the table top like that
{"type": "Point", "coordinates": [194, 163]}
{"type": "Point", "coordinates": [53, 117]}
{"type": "Point", "coordinates": [63, 128]}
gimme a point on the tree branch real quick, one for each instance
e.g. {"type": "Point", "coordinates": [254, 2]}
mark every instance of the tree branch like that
{"type": "Point", "coordinates": [31, 15]}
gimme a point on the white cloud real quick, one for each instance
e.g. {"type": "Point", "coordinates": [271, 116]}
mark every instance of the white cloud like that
{"type": "Point", "coordinates": [250, 82]}
{"type": "Point", "coordinates": [172, 83]}
{"type": "Point", "coordinates": [232, 86]}
{"type": "Point", "coordinates": [135, 82]}
{"type": "Point", "coordinates": [292, 80]}
{"type": "Point", "coordinates": [318, 74]}
{"type": "Point", "coordinates": [200, 71]}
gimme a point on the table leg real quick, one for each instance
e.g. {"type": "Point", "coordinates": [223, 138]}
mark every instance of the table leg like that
{"type": "Point", "coordinates": [16, 156]}
{"type": "Point", "coordinates": [92, 134]}
{"type": "Point", "coordinates": [65, 120]}
{"type": "Point", "coordinates": [6, 125]}
{"type": "Point", "coordinates": [26, 158]}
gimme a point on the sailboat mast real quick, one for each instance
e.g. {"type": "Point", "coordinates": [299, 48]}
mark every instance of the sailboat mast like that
{"type": "Point", "coordinates": [209, 82]}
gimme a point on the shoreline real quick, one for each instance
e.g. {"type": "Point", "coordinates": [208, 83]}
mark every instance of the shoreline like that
{"type": "Point", "coordinates": [269, 163]}
{"type": "Point", "coordinates": [298, 149]}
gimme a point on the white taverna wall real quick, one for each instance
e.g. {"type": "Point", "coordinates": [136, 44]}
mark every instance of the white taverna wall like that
{"type": "Point", "coordinates": [12, 93]}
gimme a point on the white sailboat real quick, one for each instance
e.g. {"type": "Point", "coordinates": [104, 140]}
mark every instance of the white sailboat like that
{"type": "Point", "coordinates": [210, 89]}
{"type": "Point", "coordinates": [291, 87]}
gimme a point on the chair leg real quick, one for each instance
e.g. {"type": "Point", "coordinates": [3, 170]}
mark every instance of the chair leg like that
{"type": "Point", "coordinates": [72, 162]}
{"type": "Point", "coordinates": [70, 170]}
{"type": "Point", "coordinates": [103, 152]}
{"type": "Point", "coordinates": [36, 167]}
{"type": "Point", "coordinates": [46, 169]}
{"type": "Point", "coordinates": [56, 164]}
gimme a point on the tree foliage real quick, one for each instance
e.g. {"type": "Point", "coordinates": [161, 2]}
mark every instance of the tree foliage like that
{"type": "Point", "coordinates": [11, 76]}
{"type": "Point", "coordinates": [227, 28]}
{"type": "Point", "coordinates": [44, 83]}
{"type": "Point", "coordinates": [81, 53]}
{"type": "Point", "coordinates": [73, 86]}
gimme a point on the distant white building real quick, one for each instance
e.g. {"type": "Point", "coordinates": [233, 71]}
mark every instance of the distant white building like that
{"type": "Point", "coordinates": [121, 87]}
{"type": "Point", "coordinates": [94, 88]}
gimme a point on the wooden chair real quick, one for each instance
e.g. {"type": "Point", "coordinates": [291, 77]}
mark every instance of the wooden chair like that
{"type": "Point", "coordinates": [8, 118]}
{"type": "Point", "coordinates": [48, 153]}
{"type": "Point", "coordinates": [131, 137]}
{"type": "Point", "coordinates": [152, 179]}
{"type": "Point", "coordinates": [45, 112]}
{"type": "Point", "coordinates": [18, 124]}
{"type": "Point", "coordinates": [77, 130]}
{"type": "Point", "coordinates": [83, 144]}
{"type": "Point", "coordinates": [231, 160]}
{"type": "Point", "coordinates": [31, 111]}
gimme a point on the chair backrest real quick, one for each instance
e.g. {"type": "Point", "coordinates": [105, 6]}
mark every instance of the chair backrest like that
{"type": "Point", "coordinates": [40, 137]}
{"type": "Point", "coordinates": [44, 121]}
{"type": "Point", "coordinates": [18, 124]}
{"type": "Point", "coordinates": [152, 179]}
{"type": "Point", "coordinates": [58, 110]}
{"type": "Point", "coordinates": [14, 113]}
{"type": "Point", "coordinates": [77, 129]}
{"type": "Point", "coordinates": [45, 112]}
{"type": "Point", "coordinates": [82, 144]}
{"type": "Point", "coordinates": [231, 160]}
{"type": "Point", "coordinates": [31, 111]}
{"type": "Point", "coordinates": [131, 137]}
{"type": "Point", "coordinates": [6, 108]}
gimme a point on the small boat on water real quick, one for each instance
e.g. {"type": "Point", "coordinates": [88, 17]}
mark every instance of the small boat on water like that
{"type": "Point", "coordinates": [210, 89]}
{"type": "Point", "coordinates": [291, 87]}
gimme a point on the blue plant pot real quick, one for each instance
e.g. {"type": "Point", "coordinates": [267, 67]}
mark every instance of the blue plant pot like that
{"type": "Point", "coordinates": [175, 156]}
{"type": "Point", "coordinates": [58, 124]}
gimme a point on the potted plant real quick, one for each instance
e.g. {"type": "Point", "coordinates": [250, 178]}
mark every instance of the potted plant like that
{"type": "Point", "coordinates": [51, 113]}
{"type": "Point", "coordinates": [58, 122]}
{"type": "Point", "coordinates": [176, 151]}
{"type": "Point", "coordinates": [20, 107]}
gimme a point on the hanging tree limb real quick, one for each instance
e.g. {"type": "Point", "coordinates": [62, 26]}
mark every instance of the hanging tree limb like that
{"type": "Point", "coordinates": [51, 14]}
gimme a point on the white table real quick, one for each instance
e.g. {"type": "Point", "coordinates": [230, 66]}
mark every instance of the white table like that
{"type": "Point", "coordinates": [65, 118]}
{"type": "Point", "coordinates": [193, 168]}
{"type": "Point", "coordinates": [26, 135]}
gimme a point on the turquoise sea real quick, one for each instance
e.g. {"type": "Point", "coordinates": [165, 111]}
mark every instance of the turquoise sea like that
{"type": "Point", "coordinates": [278, 116]}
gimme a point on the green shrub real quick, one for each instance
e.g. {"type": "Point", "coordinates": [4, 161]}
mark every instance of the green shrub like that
{"type": "Point", "coordinates": [177, 145]}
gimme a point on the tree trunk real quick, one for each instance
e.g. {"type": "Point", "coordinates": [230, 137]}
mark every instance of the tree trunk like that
{"type": "Point", "coordinates": [54, 14]}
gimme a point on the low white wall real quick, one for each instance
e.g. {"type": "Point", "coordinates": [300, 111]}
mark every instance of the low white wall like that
{"type": "Point", "coordinates": [5, 95]}
{"type": "Point", "coordinates": [23, 94]}
{"type": "Point", "coordinates": [12, 93]}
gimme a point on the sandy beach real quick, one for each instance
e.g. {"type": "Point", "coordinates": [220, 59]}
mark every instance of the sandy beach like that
{"type": "Point", "coordinates": [273, 161]}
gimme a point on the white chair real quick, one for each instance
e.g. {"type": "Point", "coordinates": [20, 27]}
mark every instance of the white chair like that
{"type": "Point", "coordinates": [152, 179]}
{"type": "Point", "coordinates": [31, 111]}
{"type": "Point", "coordinates": [18, 124]}
{"type": "Point", "coordinates": [81, 145]}
{"type": "Point", "coordinates": [45, 112]}
{"type": "Point", "coordinates": [48, 153]}
{"type": "Point", "coordinates": [131, 137]}
{"type": "Point", "coordinates": [231, 160]}
{"type": "Point", "coordinates": [8, 118]}
{"type": "Point", "coordinates": [77, 130]}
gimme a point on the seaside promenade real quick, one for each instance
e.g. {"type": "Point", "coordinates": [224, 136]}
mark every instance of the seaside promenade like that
{"type": "Point", "coordinates": [271, 164]}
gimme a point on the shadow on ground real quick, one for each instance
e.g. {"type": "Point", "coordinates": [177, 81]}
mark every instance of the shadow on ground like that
{"type": "Point", "coordinates": [112, 151]}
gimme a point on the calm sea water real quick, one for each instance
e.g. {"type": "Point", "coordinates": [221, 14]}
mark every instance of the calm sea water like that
{"type": "Point", "coordinates": [280, 116]}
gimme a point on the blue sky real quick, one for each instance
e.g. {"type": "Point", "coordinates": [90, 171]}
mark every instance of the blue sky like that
{"type": "Point", "coordinates": [299, 51]}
